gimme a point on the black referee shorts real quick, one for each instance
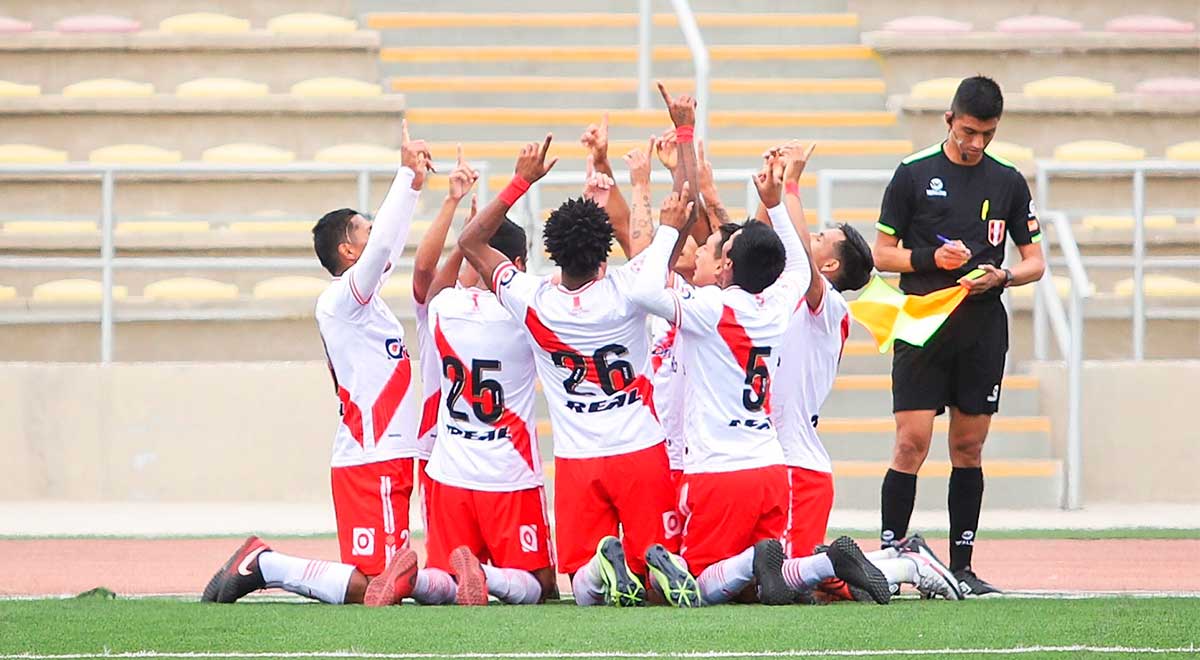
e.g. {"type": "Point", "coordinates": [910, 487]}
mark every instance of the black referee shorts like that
{"type": "Point", "coordinates": [961, 366]}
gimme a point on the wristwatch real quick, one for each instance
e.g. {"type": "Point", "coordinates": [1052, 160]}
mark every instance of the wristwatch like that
{"type": "Point", "coordinates": [1008, 278]}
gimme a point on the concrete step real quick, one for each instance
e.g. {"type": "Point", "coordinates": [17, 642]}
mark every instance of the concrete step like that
{"type": "Point", "coordinates": [44, 14]}
{"type": "Point", "coordinates": [1093, 14]}
{"type": "Point", "coordinates": [698, 6]}
{"type": "Point", "coordinates": [1013, 483]}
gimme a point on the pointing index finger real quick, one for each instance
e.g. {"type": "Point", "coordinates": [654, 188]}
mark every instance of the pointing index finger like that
{"type": "Point", "coordinates": [404, 139]}
{"type": "Point", "coordinates": [546, 146]}
{"type": "Point", "coordinates": [666, 96]}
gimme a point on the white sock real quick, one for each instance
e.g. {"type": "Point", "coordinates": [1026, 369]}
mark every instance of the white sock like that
{"type": "Point", "coordinates": [434, 587]}
{"type": "Point", "coordinates": [513, 586]}
{"type": "Point", "coordinates": [724, 580]}
{"type": "Point", "coordinates": [897, 571]}
{"type": "Point", "coordinates": [807, 572]}
{"type": "Point", "coordinates": [587, 586]}
{"type": "Point", "coordinates": [325, 581]}
{"type": "Point", "coordinates": [886, 553]}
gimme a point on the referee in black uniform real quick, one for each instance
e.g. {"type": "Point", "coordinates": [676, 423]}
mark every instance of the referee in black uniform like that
{"type": "Point", "coordinates": [952, 206]}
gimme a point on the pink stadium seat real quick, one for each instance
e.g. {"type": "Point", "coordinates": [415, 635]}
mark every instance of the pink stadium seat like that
{"type": "Point", "coordinates": [926, 25]}
{"type": "Point", "coordinates": [1189, 86]}
{"type": "Point", "coordinates": [1037, 24]}
{"type": "Point", "coordinates": [9, 25]}
{"type": "Point", "coordinates": [97, 23]}
{"type": "Point", "coordinates": [1148, 23]}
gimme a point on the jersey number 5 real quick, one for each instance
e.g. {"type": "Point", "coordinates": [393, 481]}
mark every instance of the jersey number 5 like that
{"type": "Point", "coordinates": [758, 379]}
{"type": "Point", "coordinates": [606, 372]}
{"type": "Point", "coordinates": [487, 396]}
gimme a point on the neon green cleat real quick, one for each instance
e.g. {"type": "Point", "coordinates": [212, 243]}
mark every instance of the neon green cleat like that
{"type": "Point", "coordinates": [677, 584]}
{"type": "Point", "coordinates": [621, 587]}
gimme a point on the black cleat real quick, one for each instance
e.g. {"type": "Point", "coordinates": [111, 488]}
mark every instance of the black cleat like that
{"type": "Point", "coordinates": [969, 584]}
{"type": "Point", "coordinates": [239, 576]}
{"type": "Point", "coordinates": [676, 583]}
{"type": "Point", "coordinates": [768, 570]}
{"type": "Point", "coordinates": [851, 565]}
{"type": "Point", "coordinates": [621, 587]}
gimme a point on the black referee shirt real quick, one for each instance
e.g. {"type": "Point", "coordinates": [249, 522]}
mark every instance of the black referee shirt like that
{"type": "Point", "coordinates": [930, 195]}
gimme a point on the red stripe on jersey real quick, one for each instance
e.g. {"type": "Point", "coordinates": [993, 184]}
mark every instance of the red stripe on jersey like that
{"type": "Point", "coordinates": [845, 335]}
{"type": "Point", "coordinates": [390, 397]}
{"type": "Point", "coordinates": [739, 344]}
{"type": "Point", "coordinates": [351, 414]}
{"type": "Point", "coordinates": [549, 342]}
{"type": "Point", "coordinates": [518, 431]}
{"type": "Point", "coordinates": [429, 414]}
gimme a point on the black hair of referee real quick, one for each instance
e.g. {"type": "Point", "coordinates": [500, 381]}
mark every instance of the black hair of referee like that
{"type": "Point", "coordinates": [953, 207]}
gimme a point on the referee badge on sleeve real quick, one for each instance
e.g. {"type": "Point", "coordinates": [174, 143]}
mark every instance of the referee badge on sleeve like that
{"type": "Point", "coordinates": [995, 232]}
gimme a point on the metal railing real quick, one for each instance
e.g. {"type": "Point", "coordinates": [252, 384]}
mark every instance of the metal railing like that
{"type": "Point", "coordinates": [695, 43]}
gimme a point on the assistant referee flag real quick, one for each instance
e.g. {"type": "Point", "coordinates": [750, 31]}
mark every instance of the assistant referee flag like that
{"type": "Point", "coordinates": [890, 315]}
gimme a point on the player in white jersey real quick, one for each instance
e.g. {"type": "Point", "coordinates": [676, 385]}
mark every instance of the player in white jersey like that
{"type": "Point", "coordinates": [590, 347]}
{"type": "Point", "coordinates": [376, 439]}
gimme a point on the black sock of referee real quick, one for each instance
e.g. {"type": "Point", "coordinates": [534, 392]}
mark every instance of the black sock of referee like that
{"type": "Point", "coordinates": [897, 497]}
{"type": "Point", "coordinates": [964, 499]}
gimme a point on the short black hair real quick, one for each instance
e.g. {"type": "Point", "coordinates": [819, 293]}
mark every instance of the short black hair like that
{"type": "Point", "coordinates": [330, 232]}
{"type": "Point", "coordinates": [727, 229]}
{"type": "Point", "coordinates": [856, 261]}
{"type": "Point", "coordinates": [978, 97]}
{"type": "Point", "coordinates": [758, 257]}
{"type": "Point", "coordinates": [510, 240]}
{"type": "Point", "coordinates": [578, 237]}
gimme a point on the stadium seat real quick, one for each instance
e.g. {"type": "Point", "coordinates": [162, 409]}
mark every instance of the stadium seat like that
{"type": "Point", "coordinates": [398, 287]}
{"type": "Point", "coordinates": [190, 289]}
{"type": "Point", "coordinates": [419, 228]}
{"type": "Point", "coordinates": [1062, 284]}
{"type": "Point", "coordinates": [298, 227]}
{"type": "Point", "coordinates": [290, 286]}
{"type": "Point", "coordinates": [163, 227]}
{"type": "Point", "coordinates": [1184, 151]}
{"type": "Point", "coordinates": [220, 88]}
{"type": "Point", "coordinates": [1069, 86]}
{"type": "Point", "coordinates": [108, 88]}
{"type": "Point", "coordinates": [1009, 151]}
{"type": "Point", "coordinates": [1037, 24]}
{"type": "Point", "coordinates": [51, 227]}
{"type": "Point", "coordinates": [1159, 286]}
{"type": "Point", "coordinates": [1149, 23]}
{"type": "Point", "coordinates": [75, 291]}
{"type": "Point", "coordinates": [246, 153]}
{"type": "Point", "coordinates": [134, 154]}
{"type": "Point", "coordinates": [97, 23]}
{"type": "Point", "coordinates": [1125, 222]}
{"type": "Point", "coordinates": [10, 89]}
{"type": "Point", "coordinates": [1098, 150]}
{"type": "Point", "coordinates": [204, 23]}
{"type": "Point", "coordinates": [1169, 86]}
{"type": "Point", "coordinates": [307, 23]}
{"type": "Point", "coordinates": [335, 87]}
{"type": "Point", "coordinates": [937, 88]}
{"type": "Point", "coordinates": [9, 25]}
{"type": "Point", "coordinates": [7, 292]}
{"type": "Point", "coordinates": [30, 154]}
{"type": "Point", "coordinates": [357, 153]}
{"type": "Point", "coordinates": [926, 25]}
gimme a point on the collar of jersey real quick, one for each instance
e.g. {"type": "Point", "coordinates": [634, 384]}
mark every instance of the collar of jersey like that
{"type": "Point", "coordinates": [578, 291]}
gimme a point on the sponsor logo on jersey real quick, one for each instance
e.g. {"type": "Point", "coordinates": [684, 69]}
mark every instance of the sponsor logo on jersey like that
{"type": "Point", "coordinates": [621, 400]}
{"type": "Point", "coordinates": [995, 232]}
{"type": "Point", "coordinates": [1032, 209]}
{"type": "Point", "coordinates": [494, 434]}
{"type": "Point", "coordinates": [395, 349]}
{"type": "Point", "coordinates": [363, 542]}
{"type": "Point", "coordinates": [507, 277]}
{"type": "Point", "coordinates": [936, 188]}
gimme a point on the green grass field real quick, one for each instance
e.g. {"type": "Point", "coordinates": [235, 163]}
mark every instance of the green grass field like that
{"type": "Point", "coordinates": [91, 627]}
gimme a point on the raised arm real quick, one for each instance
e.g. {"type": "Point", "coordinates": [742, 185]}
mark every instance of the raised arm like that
{"type": "Point", "coordinates": [447, 274]}
{"type": "Point", "coordinates": [714, 210]}
{"type": "Point", "coordinates": [462, 177]}
{"type": "Point", "coordinates": [651, 292]}
{"type": "Point", "coordinates": [641, 216]}
{"type": "Point", "coordinates": [683, 115]}
{"type": "Point", "coordinates": [531, 166]}
{"type": "Point", "coordinates": [595, 140]}
{"type": "Point", "coordinates": [770, 191]}
{"type": "Point", "coordinates": [795, 158]}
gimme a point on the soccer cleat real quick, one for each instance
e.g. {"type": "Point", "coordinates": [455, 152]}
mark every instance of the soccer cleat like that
{"type": "Point", "coordinates": [621, 587]}
{"type": "Point", "coordinates": [677, 584]}
{"type": "Point", "coordinates": [851, 565]}
{"type": "Point", "coordinates": [472, 585]}
{"type": "Point", "coordinates": [969, 584]}
{"type": "Point", "coordinates": [768, 570]}
{"type": "Point", "coordinates": [916, 549]}
{"type": "Point", "coordinates": [239, 576]}
{"type": "Point", "coordinates": [395, 583]}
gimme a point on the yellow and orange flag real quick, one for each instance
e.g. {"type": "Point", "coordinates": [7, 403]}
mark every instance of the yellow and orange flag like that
{"type": "Point", "coordinates": [890, 315]}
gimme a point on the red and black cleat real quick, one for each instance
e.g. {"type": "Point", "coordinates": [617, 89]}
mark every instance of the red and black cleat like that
{"type": "Point", "coordinates": [239, 576]}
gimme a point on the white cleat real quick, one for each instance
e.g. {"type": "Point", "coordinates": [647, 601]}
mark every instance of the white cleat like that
{"type": "Point", "coordinates": [933, 579]}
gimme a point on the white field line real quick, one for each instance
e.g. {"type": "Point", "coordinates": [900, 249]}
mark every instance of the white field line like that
{"type": "Point", "coordinates": [1019, 650]}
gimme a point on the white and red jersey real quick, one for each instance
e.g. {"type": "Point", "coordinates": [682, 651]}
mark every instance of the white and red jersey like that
{"type": "Point", "coordinates": [487, 432]}
{"type": "Point", "coordinates": [808, 367]}
{"type": "Point", "coordinates": [668, 380]}
{"type": "Point", "coordinates": [590, 347]}
{"type": "Point", "coordinates": [431, 386]}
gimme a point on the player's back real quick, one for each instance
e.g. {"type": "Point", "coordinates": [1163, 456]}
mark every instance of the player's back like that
{"type": "Point", "coordinates": [487, 433]}
{"type": "Point", "coordinates": [591, 350]}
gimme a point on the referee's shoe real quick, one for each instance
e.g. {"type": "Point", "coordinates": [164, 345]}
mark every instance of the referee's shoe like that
{"type": "Point", "coordinates": [971, 585]}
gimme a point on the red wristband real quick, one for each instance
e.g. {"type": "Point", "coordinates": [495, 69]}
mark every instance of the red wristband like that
{"type": "Point", "coordinates": [514, 190]}
{"type": "Point", "coordinates": [685, 133]}
{"type": "Point", "coordinates": [792, 188]}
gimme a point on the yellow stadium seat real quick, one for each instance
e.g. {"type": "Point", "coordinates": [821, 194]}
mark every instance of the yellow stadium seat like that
{"type": "Point", "coordinates": [50, 227]}
{"type": "Point", "coordinates": [1010, 151]}
{"type": "Point", "coordinates": [163, 227]}
{"type": "Point", "coordinates": [290, 286]}
{"type": "Point", "coordinates": [75, 291]}
{"type": "Point", "coordinates": [1160, 286]}
{"type": "Point", "coordinates": [190, 289]}
{"type": "Point", "coordinates": [418, 232]}
{"type": "Point", "coordinates": [247, 153]}
{"type": "Point", "coordinates": [204, 23]}
{"type": "Point", "coordinates": [398, 287]}
{"type": "Point", "coordinates": [307, 23]}
{"type": "Point", "coordinates": [1069, 86]}
{"type": "Point", "coordinates": [7, 292]}
{"type": "Point", "coordinates": [30, 154]}
{"type": "Point", "coordinates": [938, 88]}
{"type": "Point", "coordinates": [1062, 284]}
{"type": "Point", "coordinates": [220, 88]}
{"type": "Point", "coordinates": [1098, 150]}
{"type": "Point", "coordinates": [358, 153]}
{"type": "Point", "coordinates": [336, 87]}
{"type": "Point", "coordinates": [1184, 151]}
{"type": "Point", "coordinates": [108, 88]}
{"type": "Point", "coordinates": [131, 154]}
{"type": "Point", "coordinates": [1126, 222]}
{"type": "Point", "coordinates": [10, 89]}
{"type": "Point", "coordinates": [273, 227]}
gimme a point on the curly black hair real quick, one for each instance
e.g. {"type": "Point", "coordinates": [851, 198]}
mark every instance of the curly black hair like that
{"type": "Point", "coordinates": [578, 237]}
